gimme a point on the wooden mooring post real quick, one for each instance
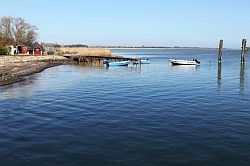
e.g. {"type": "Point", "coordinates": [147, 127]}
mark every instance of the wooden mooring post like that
{"type": "Point", "coordinates": [220, 51]}
{"type": "Point", "coordinates": [243, 50]}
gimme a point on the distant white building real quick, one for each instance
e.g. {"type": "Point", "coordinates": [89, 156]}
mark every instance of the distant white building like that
{"type": "Point", "coordinates": [12, 50]}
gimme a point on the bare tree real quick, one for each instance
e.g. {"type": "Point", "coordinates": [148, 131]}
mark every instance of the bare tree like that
{"type": "Point", "coordinates": [17, 31]}
{"type": "Point", "coordinates": [6, 30]}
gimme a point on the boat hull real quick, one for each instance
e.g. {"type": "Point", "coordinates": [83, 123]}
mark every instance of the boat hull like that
{"type": "Point", "coordinates": [184, 62]}
{"type": "Point", "coordinates": [123, 63]}
{"type": "Point", "coordinates": [143, 62]}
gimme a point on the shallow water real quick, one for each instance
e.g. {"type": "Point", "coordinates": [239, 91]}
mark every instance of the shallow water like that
{"type": "Point", "coordinates": [154, 114]}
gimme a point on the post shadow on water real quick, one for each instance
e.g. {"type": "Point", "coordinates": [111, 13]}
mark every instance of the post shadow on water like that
{"type": "Point", "coordinates": [242, 76]}
{"type": "Point", "coordinates": [219, 76]}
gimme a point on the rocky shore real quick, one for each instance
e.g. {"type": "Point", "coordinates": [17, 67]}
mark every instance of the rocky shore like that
{"type": "Point", "coordinates": [15, 68]}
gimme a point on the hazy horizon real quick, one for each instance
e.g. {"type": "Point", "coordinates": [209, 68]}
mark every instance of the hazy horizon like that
{"type": "Point", "coordinates": [135, 23]}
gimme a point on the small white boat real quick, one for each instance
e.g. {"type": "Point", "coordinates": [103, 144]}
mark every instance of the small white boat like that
{"type": "Point", "coordinates": [119, 63]}
{"type": "Point", "coordinates": [142, 62]}
{"type": "Point", "coordinates": [184, 62]}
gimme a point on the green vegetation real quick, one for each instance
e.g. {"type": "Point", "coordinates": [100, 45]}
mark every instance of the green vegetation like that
{"type": "Point", "coordinates": [3, 50]}
{"type": "Point", "coordinates": [15, 55]}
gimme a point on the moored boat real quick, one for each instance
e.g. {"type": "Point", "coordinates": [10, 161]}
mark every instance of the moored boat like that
{"type": "Point", "coordinates": [118, 63]}
{"type": "Point", "coordinates": [142, 62]}
{"type": "Point", "coordinates": [184, 62]}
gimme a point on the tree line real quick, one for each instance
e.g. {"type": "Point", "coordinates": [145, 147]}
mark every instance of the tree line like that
{"type": "Point", "coordinates": [16, 31]}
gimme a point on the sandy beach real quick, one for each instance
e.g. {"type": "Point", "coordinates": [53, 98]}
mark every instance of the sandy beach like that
{"type": "Point", "coordinates": [14, 69]}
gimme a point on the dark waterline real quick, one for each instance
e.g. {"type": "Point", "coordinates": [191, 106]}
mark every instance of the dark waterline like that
{"type": "Point", "coordinates": [154, 114]}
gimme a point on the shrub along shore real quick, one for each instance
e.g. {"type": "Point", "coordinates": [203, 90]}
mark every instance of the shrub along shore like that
{"type": "Point", "coordinates": [15, 68]}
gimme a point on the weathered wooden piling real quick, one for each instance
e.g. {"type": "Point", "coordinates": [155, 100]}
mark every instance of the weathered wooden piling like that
{"type": "Point", "coordinates": [243, 50]}
{"type": "Point", "coordinates": [220, 51]}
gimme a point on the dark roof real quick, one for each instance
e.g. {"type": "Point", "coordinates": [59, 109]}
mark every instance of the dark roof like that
{"type": "Point", "coordinates": [35, 46]}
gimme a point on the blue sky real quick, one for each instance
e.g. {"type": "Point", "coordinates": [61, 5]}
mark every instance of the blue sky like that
{"type": "Point", "coordinates": [136, 22]}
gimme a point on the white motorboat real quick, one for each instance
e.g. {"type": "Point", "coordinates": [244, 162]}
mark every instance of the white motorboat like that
{"type": "Point", "coordinates": [184, 62]}
{"type": "Point", "coordinates": [142, 62]}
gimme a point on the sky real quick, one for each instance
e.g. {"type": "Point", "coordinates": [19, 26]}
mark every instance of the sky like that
{"type": "Point", "coordinates": [192, 23]}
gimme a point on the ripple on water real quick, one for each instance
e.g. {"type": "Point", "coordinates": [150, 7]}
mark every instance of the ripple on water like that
{"type": "Point", "coordinates": [155, 114]}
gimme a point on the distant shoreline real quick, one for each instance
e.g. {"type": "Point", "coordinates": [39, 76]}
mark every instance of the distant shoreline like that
{"type": "Point", "coordinates": [163, 48]}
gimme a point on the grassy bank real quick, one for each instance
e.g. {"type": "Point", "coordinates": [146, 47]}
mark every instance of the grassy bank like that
{"type": "Point", "coordinates": [16, 55]}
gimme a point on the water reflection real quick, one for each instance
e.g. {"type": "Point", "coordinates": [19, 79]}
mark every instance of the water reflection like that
{"type": "Point", "coordinates": [19, 89]}
{"type": "Point", "coordinates": [219, 75]}
{"type": "Point", "coordinates": [130, 68]}
{"type": "Point", "coordinates": [185, 68]}
{"type": "Point", "coordinates": [242, 77]}
{"type": "Point", "coordinates": [50, 79]}
{"type": "Point", "coordinates": [92, 64]}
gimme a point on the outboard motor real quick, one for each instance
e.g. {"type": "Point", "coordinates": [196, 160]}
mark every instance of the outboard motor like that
{"type": "Point", "coordinates": [197, 61]}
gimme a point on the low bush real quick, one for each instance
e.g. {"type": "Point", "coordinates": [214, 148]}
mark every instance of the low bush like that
{"type": "Point", "coordinates": [3, 50]}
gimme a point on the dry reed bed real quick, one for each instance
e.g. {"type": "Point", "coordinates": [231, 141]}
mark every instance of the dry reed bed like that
{"type": "Point", "coordinates": [86, 51]}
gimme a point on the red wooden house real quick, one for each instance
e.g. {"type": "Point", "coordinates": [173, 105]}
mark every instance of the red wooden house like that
{"type": "Point", "coordinates": [21, 49]}
{"type": "Point", "coordinates": [36, 49]}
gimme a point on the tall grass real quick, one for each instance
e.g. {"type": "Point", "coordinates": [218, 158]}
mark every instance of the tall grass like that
{"type": "Point", "coordinates": [85, 51]}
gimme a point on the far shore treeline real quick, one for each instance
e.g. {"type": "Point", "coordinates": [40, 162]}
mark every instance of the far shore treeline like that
{"type": "Point", "coordinates": [16, 31]}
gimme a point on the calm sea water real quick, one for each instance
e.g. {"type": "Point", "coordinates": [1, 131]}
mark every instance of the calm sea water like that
{"type": "Point", "coordinates": [149, 115]}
